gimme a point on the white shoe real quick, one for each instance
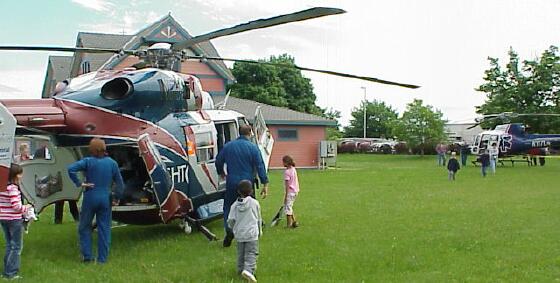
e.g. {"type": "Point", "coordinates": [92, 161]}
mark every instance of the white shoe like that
{"type": "Point", "coordinates": [249, 276]}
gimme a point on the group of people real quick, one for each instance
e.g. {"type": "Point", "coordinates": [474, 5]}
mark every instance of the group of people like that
{"type": "Point", "coordinates": [242, 214]}
{"type": "Point", "coordinates": [488, 159]}
{"type": "Point", "coordinates": [100, 172]}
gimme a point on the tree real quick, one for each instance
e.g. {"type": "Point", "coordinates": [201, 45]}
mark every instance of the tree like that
{"type": "Point", "coordinates": [379, 120]}
{"type": "Point", "coordinates": [420, 126]}
{"type": "Point", "coordinates": [278, 86]}
{"type": "Point", "coordinates": [530, 88]}
{"type": "Point", "coordinates": [333, 133]}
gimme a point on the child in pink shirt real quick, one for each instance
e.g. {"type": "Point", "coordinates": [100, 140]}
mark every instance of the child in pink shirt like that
{"type": "Point", "coordinates": [11, 220]}
{"type": "Point", "coordinates": [291, 186]}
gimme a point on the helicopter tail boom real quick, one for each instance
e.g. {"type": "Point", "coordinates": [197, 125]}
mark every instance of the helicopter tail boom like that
{"type": "Point", "coordinates": [41, 114]}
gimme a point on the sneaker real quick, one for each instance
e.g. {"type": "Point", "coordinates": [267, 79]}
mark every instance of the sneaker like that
{"type": "Point", "coordinates": [249, 276]}
{"type": "Point", "coordinates": [228, 239]}
{"type": "Point", "coordinates": [88, 260]}
{"type": "Point", "coordinates": [295, 224]}
{"type": "Point", "coordinates": [274, 222]}
{"type": "Point", "coordinates": [16, 277]}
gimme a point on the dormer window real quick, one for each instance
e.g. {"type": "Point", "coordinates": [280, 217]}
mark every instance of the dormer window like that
{"type": "Point", "coordinates": [86, 67]}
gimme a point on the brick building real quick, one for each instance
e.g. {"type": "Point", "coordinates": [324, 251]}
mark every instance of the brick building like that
{"type": "Point", "coordinates": [297, 134]}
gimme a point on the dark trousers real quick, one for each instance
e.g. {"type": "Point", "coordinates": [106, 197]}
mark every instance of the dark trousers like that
{"type": "Point", "coordinates": [14, 244]}
{"type": "Point", "coordinates": [100, 207]}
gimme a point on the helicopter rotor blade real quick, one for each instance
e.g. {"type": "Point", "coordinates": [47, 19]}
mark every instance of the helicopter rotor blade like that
{"type": "Point", "coordinates": [262, 23]}
{"type": "Point", "coordinates": [375, 80]}
{"type": "Point", "coordinates": [473, 126]}
{"type": "Point", "coordinates": [65, 49]}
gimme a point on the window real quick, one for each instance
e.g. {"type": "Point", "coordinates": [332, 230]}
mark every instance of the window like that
{"type": "Point", "coordinates": [287, 134]}
{"type": "Point", "coordinates": [226, 132]}
{"type": "Point", "coordinates": [86, 67]}
{"type": "Point", "coordinates": [204, 147]}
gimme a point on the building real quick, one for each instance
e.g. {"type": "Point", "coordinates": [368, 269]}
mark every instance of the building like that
{"type": "Point", "coordinates": [297, 134]}
{"type": "Point", "coordinates": [465, 132]}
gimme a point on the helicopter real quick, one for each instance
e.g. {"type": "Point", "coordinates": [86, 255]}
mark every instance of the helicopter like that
{"type": "Point", "coordinates": [160, 126]}
{"type": "Point", "coordinates": [512, 138]}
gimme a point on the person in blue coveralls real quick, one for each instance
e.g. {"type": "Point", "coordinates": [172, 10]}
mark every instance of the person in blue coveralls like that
{"type": "Point", "coordinates": [243, 158]}
{"type": "Point", "coordinates": [100, 172]}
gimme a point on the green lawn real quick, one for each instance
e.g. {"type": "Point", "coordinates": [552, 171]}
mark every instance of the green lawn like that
{"type": "Point", "coordinates": [373, 219]}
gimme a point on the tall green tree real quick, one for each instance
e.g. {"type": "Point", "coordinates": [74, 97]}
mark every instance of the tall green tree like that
{"type": "Point", "coordinates": [531, 86]}
{"type": "Point", "coordinates": [333, 133]}
{"type": "Point", "coordinates": [379, 120]}
{"type": "Point", "coordinates": [279, 86]}
{"type": "Point", "coordinates": [420, 125]}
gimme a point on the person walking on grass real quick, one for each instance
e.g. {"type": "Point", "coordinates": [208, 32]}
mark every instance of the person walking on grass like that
{"type": "Point", "coordinates": [484, 160]}
{"type": "Point", "coordinates": [246, 223]}
{"type": "Point", "coordinates": [493, 151]}
{"type": "Point", "coordinates": [291, 186]}
{"type": "Point", "coordinates": [11, 218]}
{"type": "Point", "coordinates": [242, 159]}
{"type": "Point", "coordinates": [453, 166]}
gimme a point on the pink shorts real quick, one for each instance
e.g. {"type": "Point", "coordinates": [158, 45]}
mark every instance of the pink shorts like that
{"type": "Point", "coordinates": [288, 206]}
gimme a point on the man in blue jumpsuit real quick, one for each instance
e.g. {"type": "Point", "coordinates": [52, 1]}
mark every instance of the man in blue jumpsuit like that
{"type": "Point", "coordinates": [243, 159]}
{"type": "Point", "coordinates": [100, 172]}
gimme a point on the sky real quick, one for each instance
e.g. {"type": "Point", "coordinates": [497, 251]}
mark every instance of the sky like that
{"type": "Point", "coordinates": [441, 45]}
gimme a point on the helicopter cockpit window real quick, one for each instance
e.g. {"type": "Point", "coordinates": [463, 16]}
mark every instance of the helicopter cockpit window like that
{"type": "Point", "coordinates": [204, 147]}
{"type": "Point", "coordinates": [225, 133]}
{"type": "Point", "coordinates": [118, 88]}
{"type": "Point", "coordinates": [487, 139]}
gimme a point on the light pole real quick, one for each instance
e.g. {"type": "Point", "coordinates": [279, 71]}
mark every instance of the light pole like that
{"type": "Point", "coordinates": [365, 100]}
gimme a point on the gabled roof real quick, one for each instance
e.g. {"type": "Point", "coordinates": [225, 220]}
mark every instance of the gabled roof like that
{"type": "Point", "coordinates": [273, 115]}
{"type": "Point", "coordinates": [100, 40]}
{"type": "Point", "coordinates": [152, 33]}
{"type": "Point", "coordinates": [60, 66]}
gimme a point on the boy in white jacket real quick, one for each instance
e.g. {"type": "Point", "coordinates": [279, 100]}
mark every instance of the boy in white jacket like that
{"type": "Point", "coordinates": [246, 222]}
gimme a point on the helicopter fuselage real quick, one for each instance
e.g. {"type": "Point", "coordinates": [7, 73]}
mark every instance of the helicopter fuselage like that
{"type": "Point", "coordinates": [512, 139]}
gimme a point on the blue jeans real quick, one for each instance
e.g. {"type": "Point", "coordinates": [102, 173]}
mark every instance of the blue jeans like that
{"type": "Point", "coordinates": [441, 159]}
{"type": "Point", "coordinates": [14, 244]}
{"type": "Point", "coordinates": [464, 159]}
{"type": "Point", "coordinates": [493, 165]}
{"type": "Point", "coordinates": [484, 168]}
{"type": "Point", "coordinates": [98, 205]}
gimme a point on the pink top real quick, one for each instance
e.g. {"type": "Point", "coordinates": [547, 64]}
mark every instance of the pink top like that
{"type": "Point", "coordinates": [291, 180]}
{"type": "Point", "coordinates": [11, 207]}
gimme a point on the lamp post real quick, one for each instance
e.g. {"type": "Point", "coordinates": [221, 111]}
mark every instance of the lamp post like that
{"type": "Point", "coordinates": [365, 100]}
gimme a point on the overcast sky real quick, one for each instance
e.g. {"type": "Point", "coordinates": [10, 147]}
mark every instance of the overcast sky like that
{"type": "Point", "coordinates": [441, 45]}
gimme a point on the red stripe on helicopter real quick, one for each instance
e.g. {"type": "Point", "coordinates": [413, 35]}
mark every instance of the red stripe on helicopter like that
{"type": "Point", "coordinates": [207, 172]}
{"type": "Point", "coordinates": [191, 141]}
{"type": "Point", "coordinates": [177, 202]}
{"type": "Point", "coordinates": [89, 120]}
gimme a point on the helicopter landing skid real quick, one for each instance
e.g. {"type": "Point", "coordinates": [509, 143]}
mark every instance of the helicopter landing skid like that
{"type": "Point", "coordinates": [197, 223]}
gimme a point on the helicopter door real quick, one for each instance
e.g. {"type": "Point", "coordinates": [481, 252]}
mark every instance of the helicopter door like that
{"type": "Point", "coordinates": [166, 197]}
{"type": "Point", "coordinates": [45, 177]}
{"type": "Point", "coordinates": [7, 132]}
{"type": "Point", "coordinates": [263, 137]}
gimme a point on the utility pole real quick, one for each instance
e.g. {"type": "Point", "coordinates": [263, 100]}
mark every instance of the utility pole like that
{"type": "Point", "coordinates": [365, 104]}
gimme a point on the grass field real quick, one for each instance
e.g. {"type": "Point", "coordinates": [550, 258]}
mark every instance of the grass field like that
{"type": "Point", "coordinates": [373, 219]}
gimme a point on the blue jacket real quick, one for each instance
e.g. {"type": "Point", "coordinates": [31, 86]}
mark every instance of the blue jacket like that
{"type": "Point", "coordinates": [99, 171]}
{"type": "Point", "coordinates": [243, 159]}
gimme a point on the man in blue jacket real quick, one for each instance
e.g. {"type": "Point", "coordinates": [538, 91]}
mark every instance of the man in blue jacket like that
{"type": "Point", "coordinates": [243, 159]}
{"type": "Point", "coordinates": [100, 172]}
